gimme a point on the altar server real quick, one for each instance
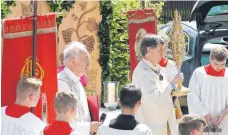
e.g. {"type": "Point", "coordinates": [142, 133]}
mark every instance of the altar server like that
{"type": "Point", "coordinates": [125, 123]}
{"type": "Point", "coordinates": [209, 90]}
{"type": "Point", "coordinates": [65, 107]}
{"type": "Point", "coordinates": [168, 66]}
{"type": "Point", "coordinates": [17, 118]}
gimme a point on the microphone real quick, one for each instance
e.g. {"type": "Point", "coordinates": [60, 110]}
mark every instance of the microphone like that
{"type": "Point", "coordinates": [103, 117]}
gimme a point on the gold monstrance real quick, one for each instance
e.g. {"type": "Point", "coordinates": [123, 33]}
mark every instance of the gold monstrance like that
{"type": "Point", "coordinates": [178, 52]}
{"type": "Point", "coordinates": [178, 43]}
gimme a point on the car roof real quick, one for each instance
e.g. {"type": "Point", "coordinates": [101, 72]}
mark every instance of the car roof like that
{"type": "Point", "coordinates": [208, 46]}
{"type": "Point", "coordinates": [191, 24]}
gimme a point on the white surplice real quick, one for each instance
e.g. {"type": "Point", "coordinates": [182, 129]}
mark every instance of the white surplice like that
{"type": "Point", "coordinates": [75, 133]}
{"type": "Point", "coordinates": [170, 70]}
{"type": "Point", "coordinates": [72, 133]}
{"type": "Point", "coordinates": [27, 124]}
{"type": "Point", "coordinates": [68, 81]}
{"type": "Point", "coordinates": [209, 95]}
{"type": "Point", "coordinates": [157, 107]}
{"type": "Point", "coordinates": [140, 129]}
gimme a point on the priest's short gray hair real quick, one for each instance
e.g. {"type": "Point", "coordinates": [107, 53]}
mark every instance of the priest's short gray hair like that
{"type": "Point", "coordinates": [65, 101]}
{"type": "Point", "coordinates": [151, 41]}
{"type": "Point", "coordinates": [219, 53]}
{"type": "Point", "coordinates": [74, 49]}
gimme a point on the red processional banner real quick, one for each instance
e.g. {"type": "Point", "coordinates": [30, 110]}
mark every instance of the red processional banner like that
{"type": "Point", "coordinates": [140, 22]}
{"type": "Point", "coordinates": [17, 60]}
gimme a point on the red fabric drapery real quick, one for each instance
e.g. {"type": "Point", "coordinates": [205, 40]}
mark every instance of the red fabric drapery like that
{"type": "Point", "coordinates": [139, 21]}
{"type": "Point", "coordinates": [93, 107]}
{"type": "Point", "coordinates": [17, 59]}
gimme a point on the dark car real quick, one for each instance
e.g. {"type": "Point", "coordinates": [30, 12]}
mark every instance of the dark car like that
{"type": "Point", "coordinates": [198, 43]}
{"type": "Point", "coordinates": [210, 29]}
{"type": "Point", "coordinates": [191, 37]}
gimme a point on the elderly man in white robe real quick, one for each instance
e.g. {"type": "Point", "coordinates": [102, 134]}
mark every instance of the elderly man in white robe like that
{"type": "Point", "coordinates": [125, 123]}
{"type": "Point", "coordinates": [17, 118]}
{"type": "Point", "coordinates": [209, 90]}
{"type": "Point", "coordinates": [157, 107]}
{"type": "Point", "coordinates": [76, 61]}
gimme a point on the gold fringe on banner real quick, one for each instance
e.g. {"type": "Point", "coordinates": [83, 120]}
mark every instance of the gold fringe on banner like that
{"type": "Point", "coordinates": [29, 33]}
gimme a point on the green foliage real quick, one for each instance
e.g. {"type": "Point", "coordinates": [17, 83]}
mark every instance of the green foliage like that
{"type": "Point", "coordinates": [156, 6]}
{"type": "Point", "coordinates": [119, 51]}
{"type": "Point", "coordinates": [5, 4]}
{"type": "Point", "coordinates": [103, 32]}
{"type": "Point", "coordinates": [104, 40]}
{"type": "Point", "coordinates": [113, 35]}
{"type": "Point", "coordinates": [60, 6]}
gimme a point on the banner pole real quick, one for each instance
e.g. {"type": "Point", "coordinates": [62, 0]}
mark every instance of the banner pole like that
{"type": "Point", "coordinates": [34, 39]}
{"type": "Point", "coordinates": [34, 42]}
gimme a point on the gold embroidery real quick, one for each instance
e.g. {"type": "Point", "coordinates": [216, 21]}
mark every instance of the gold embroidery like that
{"type": "Point", "coordinates": [29, 27]}
{"type": "Point", "coordinates": [27, 69]}
{"type": "Point", "coordinates": [44, 24]}
{"type": "Point", "coordinates": [11, 29]}
{"type": "Point", "coordinates": [18, 27]}
{"type": "Point", "coordinates": [49, 22]}
{"type": "Point", "coordinates": [53, 23]}
{"type": "Point", "coordinates": [24, 27]}
{"type": "Point", "coordinates": [38, 24]}
{"type": "Point", "coordinates": [6, 30]}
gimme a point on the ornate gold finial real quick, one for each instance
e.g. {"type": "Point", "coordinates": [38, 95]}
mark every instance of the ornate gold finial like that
{"type": "Point", "coordinates": [27, 69]}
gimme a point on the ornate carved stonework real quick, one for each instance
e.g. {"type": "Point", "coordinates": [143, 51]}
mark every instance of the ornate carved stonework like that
{"type": "Point", "coordinates": [67, 34]}
{"type": "Point", "coordinates": [92, 75]}
{"type": "Point", "coordinates": [81, 24]}
{"type": "Point", "coordinates": [91, 25]}
{"type": "Point", "coordinates": [89, 42]}
{"type": "Point", "coordinates": [83, 5]}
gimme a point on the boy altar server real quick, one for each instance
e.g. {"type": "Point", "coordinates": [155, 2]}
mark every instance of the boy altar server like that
{"type": "Point", "coordinates": [209, 90]}
{"type": "Point", "coordinates": [125, 123]}
{"type": "Point", "coordinates": [66, 108]}
{"type": "Point", "coordinates": [17, 118]}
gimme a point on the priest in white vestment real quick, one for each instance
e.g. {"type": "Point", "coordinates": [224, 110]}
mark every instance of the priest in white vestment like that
{"type": "Point", "coordinates": [125, 123]}
{"type": "Point", "coordinates": [66, 107]}
{"type": "Point", "coordinates": [17, 118]}
{"type": "Point", "coordinates": [76, 61]}
{"type": "Point", "coordinates": [209, 90]}
{"type": "Point", "coordinates": [157, 107]}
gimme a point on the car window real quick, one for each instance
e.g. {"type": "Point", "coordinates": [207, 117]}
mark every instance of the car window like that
{"type": "Point", "coordinates": [206, 52]}
{"type": "Point", "coordinates": [186, 37]}
{"type": "Point", "coordinates": [205, 59]}
{"type": "Point", "coordinates": [217, 10]}
{"type": "Point", "coordinates": [163, 30]}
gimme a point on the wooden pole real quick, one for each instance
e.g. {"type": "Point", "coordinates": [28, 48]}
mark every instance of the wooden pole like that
{"type": "Point", "coordinates": [34, 42]}
{"type": "Point", "coordinates": [34, 39]}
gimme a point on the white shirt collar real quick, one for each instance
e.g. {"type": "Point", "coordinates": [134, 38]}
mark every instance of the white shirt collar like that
{"type": "Point", "coordinates": [71, 74]}
{"type": "Point", "coordinates": [150, 64]}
